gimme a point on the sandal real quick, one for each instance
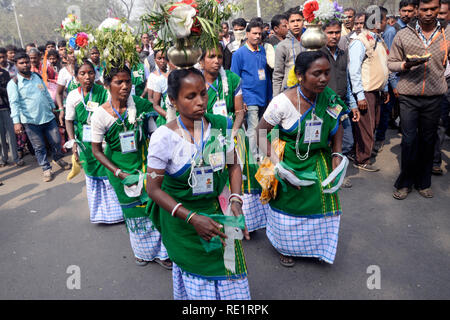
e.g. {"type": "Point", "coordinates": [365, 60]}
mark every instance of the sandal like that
{"type": "Point", "coordinates": [166, 264]}
{"type": "Point", "coordinates": [426, 193]}
{"type": "Point", "coordinates": [286, 261]}
{"type": "Point", "coordinates": [437, 171]}
{"type": "Point", "coordinates": [140, 262]}
{"type": "Point", "coordinates": [402, 193]}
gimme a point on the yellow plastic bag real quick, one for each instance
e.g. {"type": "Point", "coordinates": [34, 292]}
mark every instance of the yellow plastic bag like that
{"type": "Point", "coordinates": [76, 168]}
{"type": "Point", "coordinates": [266, 173]}
{"type": "Point", "coordinates": [292, 78]}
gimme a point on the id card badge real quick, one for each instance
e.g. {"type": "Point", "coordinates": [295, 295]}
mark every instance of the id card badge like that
{"type": "Point", "coordinates": [205, 181]}
{"type": "Point", "coordinates": [334, 111]}
{"type": "Point", "coordinates": [313, 131]}
{"type": "Point", "coordinates": [128, 142]}
{"type": "Point", "coordinates": [91, 106]}
{"type": "Point", "coordinates": [87, 133]}
{"type": "Point", "coordinates": [262, 74]}
{"type": "Point", "coordinates": [217, 161]}
{"type": "Point", "coordinates": [220, 108]}
{"type": "Point", "coordinates": [133, 90]}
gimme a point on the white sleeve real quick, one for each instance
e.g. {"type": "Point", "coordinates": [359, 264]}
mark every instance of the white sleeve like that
{"type": "Point", "coordinates": [154, 83]}
{"type": "Point", "coordinates": [275, 112]}
{"type": "Point", "coordinates": [62, 77]}
{"type": "Point", "coordinates": [101, 121]}
{"type": "Point", "coordinates": [159, 151]}
{"type": "Point", "coordinates": [72, 101]}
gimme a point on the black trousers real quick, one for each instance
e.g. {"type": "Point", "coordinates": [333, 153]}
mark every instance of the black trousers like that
{"type": "Point", "coordinates": [419, 121]}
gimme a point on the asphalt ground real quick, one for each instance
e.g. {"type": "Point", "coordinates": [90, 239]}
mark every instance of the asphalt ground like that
{"type": "Point", "coordinates": [388, 249]}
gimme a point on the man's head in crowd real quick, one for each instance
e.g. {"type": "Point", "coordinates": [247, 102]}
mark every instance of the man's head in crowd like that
{"type": "Point", "coordinates": [349, 21]}
{"type": "Point", "coordinates": [62, 50]}
{"type": "Point", "coordinates": [428, 11]}
{"type": "Point", "coordinates": [381, 27]}
{"type": "Point", "coordinates": [444, 11]}
{"type": "Point", "coordinates": [333, 30]}
{"type": "Point", "coordinates": [23, 65]}
{"type": "Point", "coordinates": [95, 55]}
{"type": "Point", "coordinates": [50, 45]}
{"type": "Point", "coordinates": [280, 25]}
{"type": "Point", "coordinates": [29, 46]}
{"type": "Point", "coordinates": [360, 22]}
{"type": "Point", "coordinates": [392, 20]}
{"type": "Point", "coordinates": [225, 28]}
{"type": "Point", "coordinates": [239, 25]}
{"type": "Point", "coordinates": [35, 57]}
{"type": "Point", "coordinates": [254, 33]}
{"type": "Point", "coordinates": [3, 61]}
{"type": "Point", "coordinates": [407, 10]}
{"type": "Point", "coordinates": [53, 57]}
{"type": "Point", "coordinates": [295, 21]}
{"type": "Point", "coordinates": [10, 52]}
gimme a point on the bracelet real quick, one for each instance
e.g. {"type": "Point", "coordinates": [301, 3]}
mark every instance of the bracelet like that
{"type": "Point", "coordinates": [175, 209]}
{"type": "Point", "coordinates": [234, 199]}
{"type": "Point", "coordinates": [191, 216]}
{"type": "Point", "coordinates": [117, 172]}
{"type": "Point", "coordinates": [235, 195]}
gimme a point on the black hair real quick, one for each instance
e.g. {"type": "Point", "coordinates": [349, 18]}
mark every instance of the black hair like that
{"type": "Point", "coordinates": [31, 44]}
{"type": "Point", "coordinates": [114, 72]}
{"type": "Point", "coordinates": [94, 48]}
{"type": "Point", "coordinates": [226, 24]}
{"type": "Point", "coordinates": [21, 55]}
{"type": "Point", "coordinates": [253, 24]}
{"type": "Point", "coordinates": [175, 78]}
{"type": "Point", "coordinates": [21, 50]}
{"type": "Point", "coordinates": [331, 23]}
{"type": "Point", "coordinates": [350, 9]}
{"type": "Point", "coordinates": [50, 43]}
{"type": "Point", "coordinates": [276, 20]}
{"type": "Point", "coordinates": [257, 19]}
{"type": "Point", "coordinates": [62, 43]}
{"type": "Point", "coordinates": [384, 12]}
{"type": "Point", "coordinates": [42, 49]}
{"type": "Point", "coordinates": [53, 52]}
{"type": "Point", "coordinates": [84, 63]}
{"type": "Point", "coordinates": [361, 14]}
{"type": "Point", "coordinates": [305, 59]}
{"type": "Point", "coordinates": [2, 51]}
{"type": "Point", "coordinates": [239, 22]}
{"type": "Point", "coordinates": [293, 11]}
{"type": "Point", "coordinates": [204, 51]}
{"type": "Point", "coordinates": [11, 47]}
{"type": "Point", "coordinates": [426, 1]}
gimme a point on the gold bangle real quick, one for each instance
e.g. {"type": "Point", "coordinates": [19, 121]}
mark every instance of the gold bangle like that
{"type": "Point", "coordinates": [191, 217]}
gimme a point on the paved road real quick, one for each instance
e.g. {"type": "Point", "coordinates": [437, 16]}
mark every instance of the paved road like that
{"type": "Point", "coordinates": [45, 228]}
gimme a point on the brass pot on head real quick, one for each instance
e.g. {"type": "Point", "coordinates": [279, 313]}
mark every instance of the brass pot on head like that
{"type": "Point", "coordinates": [184, 54]}
{"type": "Point", "coordinates": [314, 38]}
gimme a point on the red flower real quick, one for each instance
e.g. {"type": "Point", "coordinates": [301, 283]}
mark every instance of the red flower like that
{"type": "Point", "coordinates": [191, 3]}
{"type": "Point", "coordinates": [370, 38]}
{"type": "Point", "coordinates": [82, 40]}
{"type": "Point", "coordinates": [308, 10]}
{"type": "Point", "coordinates": [196, 27]}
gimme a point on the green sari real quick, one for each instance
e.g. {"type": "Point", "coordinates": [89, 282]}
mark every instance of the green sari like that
{"type": "Point", "coordinates": [182, 242]}
{"type": "Point", "coordinates": [129, 162]}
{"type": "Point", "coordinates": [92, 167]}
{"type": "Point", "coordinates": [138, 79]}
{"type": "Point", "coordinates": [311, 201]}
{"type": "Point", "coordinates": [215, 92]}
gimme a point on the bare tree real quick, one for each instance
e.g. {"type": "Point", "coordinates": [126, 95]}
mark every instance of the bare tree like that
{"type": "Point", "coordinates": [128, 4]}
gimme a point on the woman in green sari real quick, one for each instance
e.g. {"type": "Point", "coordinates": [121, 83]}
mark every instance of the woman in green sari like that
{"type": "Point", "coordinates": [305, 212]}
{"type": "Point", "coordinates": [120, 123]}
{"type": "Point", "coordinates": [80, 105]}
{"type": "Point", "coordinates": [188, 170]}
{"type": "Point", "coordinates": [225, 98]}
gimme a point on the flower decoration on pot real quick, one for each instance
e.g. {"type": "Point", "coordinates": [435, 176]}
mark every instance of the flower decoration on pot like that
{"type": "Point", "coordinates": [116, 43]}
{"type": "Point", "coordinates": [316, 13]}
{"type": "Point", "coordinates": [81, 43]}
{"type": "Point", "coordinates": [184, 27]}
{"type": "Point", "coordinates": [70, 26]}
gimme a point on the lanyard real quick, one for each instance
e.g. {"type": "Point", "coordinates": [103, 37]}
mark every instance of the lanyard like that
{"type": "Point", "coordinates": [313, 105]}
{"type": "Point", "coordinates": [82, 97]}
{"type": "Point", "coordinates": [214, 88]}
{"type": "Point", "coordinates": [118, 114]}
{"type": "Point", "coordinates": [193, 139]}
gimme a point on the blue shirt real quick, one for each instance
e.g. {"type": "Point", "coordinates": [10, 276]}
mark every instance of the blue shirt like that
{"type": "Point", "coordinates": [251, 67]}
{"type": "Point", "coordinates": [30, 101]}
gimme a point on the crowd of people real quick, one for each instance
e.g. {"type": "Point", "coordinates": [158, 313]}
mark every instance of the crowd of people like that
{"type": "Point", "coordinates": [182, 155]}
